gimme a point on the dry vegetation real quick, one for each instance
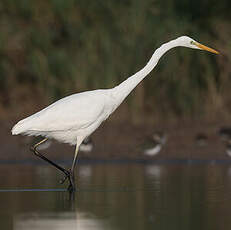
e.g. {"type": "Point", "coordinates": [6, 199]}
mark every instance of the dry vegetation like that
{"type": "Point", "coordinates": [50, 49]}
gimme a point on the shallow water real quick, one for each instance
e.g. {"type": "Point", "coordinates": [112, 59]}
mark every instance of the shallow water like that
{"type": "Point", "coordinates": [117, 196]}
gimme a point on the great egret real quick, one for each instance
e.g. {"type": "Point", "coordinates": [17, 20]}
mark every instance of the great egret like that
{"type": "Point", "coordinates": [75, 117]}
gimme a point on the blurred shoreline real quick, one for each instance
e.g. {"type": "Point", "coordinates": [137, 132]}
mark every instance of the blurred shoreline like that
{"type": "Point", "coordinates": [121, 141]}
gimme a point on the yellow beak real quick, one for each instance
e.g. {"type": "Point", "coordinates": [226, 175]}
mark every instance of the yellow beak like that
{"type": "Point", "coordinates": [206, 48]}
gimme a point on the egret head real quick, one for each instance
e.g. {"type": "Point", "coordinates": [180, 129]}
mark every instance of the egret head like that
{"type": "Point", "coordinates": [190, 43]}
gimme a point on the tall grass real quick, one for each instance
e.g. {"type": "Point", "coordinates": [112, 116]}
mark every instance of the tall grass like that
{"type": "Point", "coordinates": [58, 47]}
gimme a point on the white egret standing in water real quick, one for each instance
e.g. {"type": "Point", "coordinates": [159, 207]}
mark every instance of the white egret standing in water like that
{"type": "Point", "coordinates": [73, 118]}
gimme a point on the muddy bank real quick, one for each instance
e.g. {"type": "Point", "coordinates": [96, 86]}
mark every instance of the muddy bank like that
{"type": "Point", "coordinates": [120, 140]}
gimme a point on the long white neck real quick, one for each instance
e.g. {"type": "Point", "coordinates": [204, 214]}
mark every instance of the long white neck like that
{"type": "Point", "coordinates": [121, 91]}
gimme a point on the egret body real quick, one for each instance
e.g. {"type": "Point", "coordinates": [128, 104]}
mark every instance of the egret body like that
{"type": "Point", "coordinates": [73, 118]}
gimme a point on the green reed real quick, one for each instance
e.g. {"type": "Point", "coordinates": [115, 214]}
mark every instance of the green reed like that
{"type": "Point", "coordinates": [60, 47]}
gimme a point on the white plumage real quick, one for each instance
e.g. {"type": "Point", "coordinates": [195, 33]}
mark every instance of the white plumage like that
{"type": "Point", "coordinates": [73, 118]}
{"type": "Point", "coordinates": [154, 150]}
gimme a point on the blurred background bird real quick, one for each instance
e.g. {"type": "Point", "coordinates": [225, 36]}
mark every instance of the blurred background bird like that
{"type": "Point", "coordinates": [87, 145]}
{"type": "Point", "coordinates": [154, 144]}
{"type": "Point", "coordinates": [224, 133]}
{"type": "Point", "coordinates": [228, 147]}
{"type": "Point", "coordinates": [201, 140]}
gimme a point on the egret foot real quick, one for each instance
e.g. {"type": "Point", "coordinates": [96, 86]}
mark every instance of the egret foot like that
{"type": "Point", "coordinates": [71, 178]}
{"type": "Point", "coordinates": [67, 175]}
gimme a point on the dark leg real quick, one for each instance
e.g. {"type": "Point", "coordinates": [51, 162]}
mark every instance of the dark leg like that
{"type": "Point", "coordinates": [38, 154]}
{"type": "Point", "coordinates": [71, 187]}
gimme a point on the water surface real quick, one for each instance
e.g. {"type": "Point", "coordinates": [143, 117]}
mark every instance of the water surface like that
{"type": "Point", "coordinates": [117, 196]}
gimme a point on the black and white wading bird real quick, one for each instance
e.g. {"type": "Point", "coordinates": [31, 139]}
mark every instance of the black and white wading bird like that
{"type": "Point", "coordinates": [201, 140]}
{"type": "Point", "coordinates": [155, 144]}
{"type": "Point", "coordinates": [224, 133]}
{"type": "Point", "coordinates": [87, 145]}
{"type": "Point", "coordinates": [75, 117]}
{"type": "Point", "coordinates": [228, 147]}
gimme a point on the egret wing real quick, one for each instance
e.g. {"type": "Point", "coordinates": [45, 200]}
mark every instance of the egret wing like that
{"type": "Point", "coordinates": [73, 112]}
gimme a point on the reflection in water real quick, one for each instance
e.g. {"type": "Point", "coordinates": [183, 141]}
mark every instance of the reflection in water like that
{"type": "Point", "coordinates": [85, 172]}
{"type": "Point", "coordinates": [45, 221]}
{"type": "Point", "coordinates": [114, 196]}
{"type": "Point", "coordinates": [229, 173]}
{"type": "Point", "coordinates": [62, 221]}
{"type": "Point", "coordinates": [154, 171]}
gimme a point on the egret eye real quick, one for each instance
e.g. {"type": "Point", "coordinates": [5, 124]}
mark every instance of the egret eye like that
{"type": "Point", "coordinates": [192, 42]}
